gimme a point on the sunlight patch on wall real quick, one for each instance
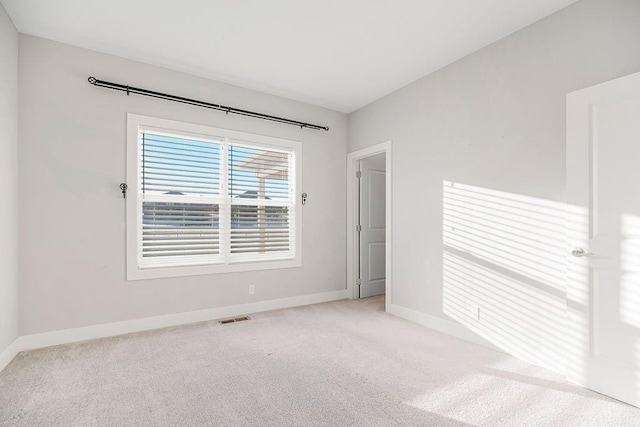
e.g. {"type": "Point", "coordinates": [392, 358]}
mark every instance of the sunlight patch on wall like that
{"type": "Point", "coordinates": [504, 270]}
{"type": "Point", "coordinates": [518, 232]}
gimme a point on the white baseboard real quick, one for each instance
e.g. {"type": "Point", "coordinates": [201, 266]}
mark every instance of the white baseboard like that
{"type": "Point", "coordinates": [9, 353]}
{"type": "Point", "coordinates": [65, 336]}
{"type": "Point", "coordinates": [439, 324]}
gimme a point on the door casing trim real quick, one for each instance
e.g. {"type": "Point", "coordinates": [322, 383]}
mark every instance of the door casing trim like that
{"type": "Point", "coordinates": [352, 212]}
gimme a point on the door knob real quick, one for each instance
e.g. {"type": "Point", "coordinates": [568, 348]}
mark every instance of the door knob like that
{"type": "Point", "coordinates": [579, 252]}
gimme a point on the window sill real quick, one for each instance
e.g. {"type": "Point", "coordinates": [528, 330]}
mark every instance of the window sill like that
{"type": "Point", "coordinates": [136, 273]}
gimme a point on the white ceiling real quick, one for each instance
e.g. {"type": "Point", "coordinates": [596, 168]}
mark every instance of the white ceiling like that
{"type": "Point", "coordinates": [340, 54]}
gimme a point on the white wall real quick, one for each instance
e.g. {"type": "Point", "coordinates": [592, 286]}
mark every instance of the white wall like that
{"type": "Point", "coordinates": [72, 159]}
{"type": "Point", "coordinates": [479, 174]}
{"type": "Point", "coordinates": [8, 181]}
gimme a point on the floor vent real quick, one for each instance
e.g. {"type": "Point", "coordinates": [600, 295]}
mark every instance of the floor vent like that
{"type": "Point", "coordinates": [235, 319]}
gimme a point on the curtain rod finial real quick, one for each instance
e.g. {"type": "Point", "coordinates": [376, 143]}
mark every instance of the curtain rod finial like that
{"type": "Point", "coordinates": [92, 80]}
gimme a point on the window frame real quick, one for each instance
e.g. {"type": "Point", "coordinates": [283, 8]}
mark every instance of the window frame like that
{"type": "Point", "coordinates": [136, 122]}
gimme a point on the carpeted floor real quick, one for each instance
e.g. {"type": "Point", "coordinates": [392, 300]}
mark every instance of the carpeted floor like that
{"type": "Point", "coordinates": [339, 363]}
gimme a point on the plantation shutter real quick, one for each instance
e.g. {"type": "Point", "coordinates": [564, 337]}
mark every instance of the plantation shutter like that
{"type": "Point", "coordinates": [180, 201]}
{"type": "Point", "coordinates": [262, 203]}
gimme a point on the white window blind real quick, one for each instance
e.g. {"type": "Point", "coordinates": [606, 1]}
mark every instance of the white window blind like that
{"type": "Point", "coordinates": [212, 201]}
{"type": "Point", "coordinates": [180, 183]}
{"type": "Point", "coordinates": [261, 202]}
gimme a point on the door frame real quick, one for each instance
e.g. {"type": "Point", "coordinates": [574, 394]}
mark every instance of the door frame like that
{"type": "Point", "coordinates": [352, 215]}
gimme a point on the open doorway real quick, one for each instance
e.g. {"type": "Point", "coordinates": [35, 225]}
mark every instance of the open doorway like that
{"type": "Point", "coordinates": [369, 222]}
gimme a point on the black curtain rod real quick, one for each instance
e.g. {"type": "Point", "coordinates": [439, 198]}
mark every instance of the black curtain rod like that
{"type": "Point", "coordinates": [130, 89]}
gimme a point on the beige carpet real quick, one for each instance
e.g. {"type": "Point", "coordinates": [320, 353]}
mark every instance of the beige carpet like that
{"type": "Point", "coordinates": [340, 363]}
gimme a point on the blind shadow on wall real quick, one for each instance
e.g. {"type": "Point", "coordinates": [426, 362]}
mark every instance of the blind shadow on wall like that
{"type": "Point", "coordinates": [505, 271]}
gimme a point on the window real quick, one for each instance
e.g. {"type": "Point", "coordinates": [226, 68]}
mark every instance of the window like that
{"type": "Point", "coordinates": [205, 200]}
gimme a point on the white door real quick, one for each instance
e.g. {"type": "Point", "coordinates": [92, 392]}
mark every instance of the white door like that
{"type": "Point", "coordinates": [372, 226]}
{"type": "Point", "coordinates": [603, 189]}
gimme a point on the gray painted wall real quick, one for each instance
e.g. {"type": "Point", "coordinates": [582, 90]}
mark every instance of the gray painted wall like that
{"type": "Point", "coordinates": [72, 158]}
{"type": "Point", "coordinates": [493, 124]}
{"type": "Point", "coordinates": [9, 181]}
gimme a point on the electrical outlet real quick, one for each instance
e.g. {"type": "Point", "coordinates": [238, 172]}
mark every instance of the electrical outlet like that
{"type": "Point", "coordinates": [474, 312]}
{"type": "Point", "coordinates": [252, 289]}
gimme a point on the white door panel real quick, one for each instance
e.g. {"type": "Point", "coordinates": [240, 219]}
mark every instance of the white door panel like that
{"type": "Point", "coordinates": [376, 254]}
{"type": "Point", "coordinates": [603, 191]}
{"type": "Point", "coordinates": [376, 198]}
{"type": "Point", "coordinates": [372, 221]}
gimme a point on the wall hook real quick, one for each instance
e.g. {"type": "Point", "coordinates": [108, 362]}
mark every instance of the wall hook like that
{"type": "Point", "coordinates": [124, 187]}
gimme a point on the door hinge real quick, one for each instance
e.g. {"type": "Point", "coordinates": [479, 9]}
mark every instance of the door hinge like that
{"type": "Point", "coordinates": [358, 174]}
{"type": "Point", "coordinates": [358, 228]}
{"type": "Point", "coordinates": [359, 282]}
